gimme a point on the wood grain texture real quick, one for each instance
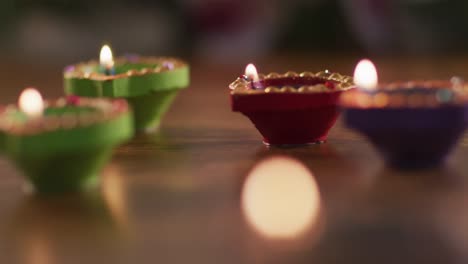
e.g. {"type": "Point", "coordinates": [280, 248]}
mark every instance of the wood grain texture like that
{"type": "Point", "coordinates": [174, 197]}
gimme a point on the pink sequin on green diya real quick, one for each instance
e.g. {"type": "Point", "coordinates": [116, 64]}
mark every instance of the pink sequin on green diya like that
{"type": "Point", "coordinates": [149, 84]}
{"type": "Point", "coordinates": [62, 145]}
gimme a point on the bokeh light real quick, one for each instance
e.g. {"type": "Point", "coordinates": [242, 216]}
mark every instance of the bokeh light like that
{"type": "Point", "coordinates": [280, 198]}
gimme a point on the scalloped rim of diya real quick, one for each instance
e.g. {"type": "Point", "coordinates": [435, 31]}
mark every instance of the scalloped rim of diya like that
{"type": "Point", "coordinates": [103, 112]}
{"type": "Point", "coordinates": [323, 81]}
{"type": "Point", "coordinates": [409, 94]}
{"type": "Point", "coordinates": [162, 66]}
{"type": "Point", "coordinates": [165, 73]}
{"type": "Point", "coordinates": [291, 109]}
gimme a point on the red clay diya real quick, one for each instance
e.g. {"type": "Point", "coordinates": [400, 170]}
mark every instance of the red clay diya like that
{"type": "Point", "coordinates": [412, 124]}
{"type": "Point", "coordinates": [290, 108]}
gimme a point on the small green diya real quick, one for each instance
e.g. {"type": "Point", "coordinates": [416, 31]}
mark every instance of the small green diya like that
{"type": "Point", "coordinates": [149, 84]}
{"type": "Point", "coordinates": [64, 148]}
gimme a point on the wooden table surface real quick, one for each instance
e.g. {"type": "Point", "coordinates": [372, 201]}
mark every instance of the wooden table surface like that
{"type": "Point", "coordinates": [176, 196]}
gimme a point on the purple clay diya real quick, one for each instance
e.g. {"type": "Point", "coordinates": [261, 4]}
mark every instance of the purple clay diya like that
{"type": "Point", "coordinates": [290, 108]}
{"type": "Point", "coordinates": [412, 124]}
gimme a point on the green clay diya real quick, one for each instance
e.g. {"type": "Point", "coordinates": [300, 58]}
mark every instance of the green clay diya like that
{"type": "Point", "coordinates": [61, 145]}
{"type": "Point", "coordinates": [149, 84]}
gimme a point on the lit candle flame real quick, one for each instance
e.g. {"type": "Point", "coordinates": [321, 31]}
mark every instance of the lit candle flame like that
{"type": "Point", "coordinates": [31, 103]}
{"type": "Point", "coordinates": [365, 75]}
{"type": "Point", "coordinates": [251, 72]}
{"type": "Point", "coordinates": [280, 198]}
{"type": "Point", "coordinates": [105, 57]}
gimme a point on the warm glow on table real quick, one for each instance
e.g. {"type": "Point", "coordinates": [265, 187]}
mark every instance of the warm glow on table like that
{"type": "Point", "coordinates": [280, 198]}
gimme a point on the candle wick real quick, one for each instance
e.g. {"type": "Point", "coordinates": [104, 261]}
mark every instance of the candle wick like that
{"type": "Point", "coordinates": [253, 84]}
{"type": "Point", "coordinates": [108, 70]}
{"type": "Point", "coordinates": [252, 81]}
{"type": "Point", "coordinates": [249, 79]}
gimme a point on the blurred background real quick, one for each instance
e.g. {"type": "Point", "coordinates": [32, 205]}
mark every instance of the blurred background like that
{"type": "Point", "coordinates": [225, 31]}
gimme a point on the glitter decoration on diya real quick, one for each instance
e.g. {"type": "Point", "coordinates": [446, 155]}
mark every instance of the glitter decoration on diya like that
{"type": "Point", "coordinates": [290, 108]}
{"type": "Point", "coordinates": [413, 124]}
{"type": "Point", "coordinates": [61, 145]}
{"type": "Point", "coordinates": [149, 84]}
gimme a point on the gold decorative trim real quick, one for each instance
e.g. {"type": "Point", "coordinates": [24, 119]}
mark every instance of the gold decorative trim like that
{"type": "Point", "coordinates": [404, 94]}
{"type": "Point", "coordinates": [79, 70]}
{"type": "Point", "coordinates": [242, 86]}
{"type": "Point", "coordinates": [106, 110]}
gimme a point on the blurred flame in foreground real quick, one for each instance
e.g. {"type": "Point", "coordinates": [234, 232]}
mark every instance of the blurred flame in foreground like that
{"type": "Point", "coordinates": [280, 198]}
{"type": "Point", "coordinates": [30, 102]}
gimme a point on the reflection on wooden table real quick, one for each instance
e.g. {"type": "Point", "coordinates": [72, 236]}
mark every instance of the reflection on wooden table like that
{"type": "Point", "coordinates": [180, 196]}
